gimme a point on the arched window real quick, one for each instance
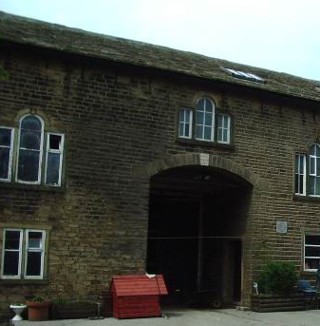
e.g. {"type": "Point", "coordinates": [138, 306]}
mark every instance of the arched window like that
{"type": "Point", "coordinates": [205, 120]}
{"type": "Point", "coordinates": [30, 149]}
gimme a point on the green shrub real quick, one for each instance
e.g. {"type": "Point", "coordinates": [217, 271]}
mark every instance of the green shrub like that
{"type": "Point", "coordinates": [278, 278]}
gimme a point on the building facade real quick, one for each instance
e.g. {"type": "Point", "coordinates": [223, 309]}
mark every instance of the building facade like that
{"type": "Point", "coordinates": [119, 157]}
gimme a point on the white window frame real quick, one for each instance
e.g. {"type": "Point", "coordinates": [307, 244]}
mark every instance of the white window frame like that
{"type": "Point", "coordinates": [183, 123]}
{"type": "Point", "coordinates": [18, 276]}
{"type": "Point", "coordinates": [8, 179]}
{"type": "Point", "coordinates": [300, 171]}
{"type": "Point", "coordinates": [40, 250]}
{"type": "Point", "coordinates": [38, 181]}
{"type": "Point", "coordinates": [59, 151]}
{"type": "Point", "coordinates": [223, 128]}
{"type": "Point", "coordinates": [205, 124]}
{"type": "Point", "coordinates": [310, 257]}
{"type": "Point", "coordinates": [315, 177]}
{"type": "Point", "coordinates": [23, 254]}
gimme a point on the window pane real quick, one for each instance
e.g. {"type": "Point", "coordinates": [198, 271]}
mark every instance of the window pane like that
{"type": "Point", "coordinates": [207, 133]}
{"type": "Point", "coordinates": [4, 162]}
{"type": "Point", "coordinates": [312, 251]}
{"type": "Point", "coordinates": [181, 131]}
{"type": "Point", "coordinates": [312, 240]}
{"type": "Point", "coordinates": [28, 167]}
{"type": "Point", "coordinates": [225, 135]}
{"type": "Point", "coordinates": [35, 240]}
{"type": "Point", "coordinates": [11, 263]}
{"type": "Point", "coordinates": [12, 240]}
{"type": "Point", "coordinates": [317, 186]}
{"type": "Point", "coordinates": [312, 185]}
{"type": "Point", "coordinates": [187, 130]}
{"type": "Point", "coordinates": [30, 139]}
{"type": "Point", "coordinates": [311, 263]}
{"type": "Point", "coordinates": [53, 168]}
{"type": "Point", "coordinates": [312, 165]}
{"type": "Point", "coordinates": [226, 122]}
{"type": "Point", "coordinates": [33, 264]}
{"type": "Point", "coordinates": [208, 119]}
{"type": "Point", "coordinates": [55, 142]}
{"type": "Point", "coordinates": [199, 132]}
{"type": "Point", "coordinates": [31, 123]}
{"type": "Point", "coordinates": [201, 104]}
{"type": "Point", "coordinates": [301, 170]}
{"type": "Point", "coordinates": [5, 137]}
{"type": "Point", "coordinates": [200, 116]}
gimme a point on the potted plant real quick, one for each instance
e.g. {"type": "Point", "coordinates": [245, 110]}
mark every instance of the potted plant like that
{"type": "Point", "coordinates": [276, 289]}
{"type": "Point", "coordinates": [38, 308]}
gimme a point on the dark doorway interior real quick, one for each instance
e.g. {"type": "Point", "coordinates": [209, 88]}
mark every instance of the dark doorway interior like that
{"type": "Point", "coordinates": [196, 219]}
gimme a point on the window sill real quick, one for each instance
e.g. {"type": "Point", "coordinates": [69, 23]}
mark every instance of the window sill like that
{"type": "Point", "coordinates": [194, 142]}
{"type": "Point", "coordinates": [4, 282]}
{"type": "Point", "coordinates": [23, 186]}
{"type": "Point", "coordinates": [306, 198]}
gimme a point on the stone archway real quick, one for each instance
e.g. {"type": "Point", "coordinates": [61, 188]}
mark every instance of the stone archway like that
{"type": "Point", "coordinates": [230, 171]}
{"type": "Point", "coordinates": [199, 159]}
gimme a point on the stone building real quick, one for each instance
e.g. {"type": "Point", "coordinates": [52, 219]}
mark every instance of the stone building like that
{"type": "Point", "coordinates": [119, 157]}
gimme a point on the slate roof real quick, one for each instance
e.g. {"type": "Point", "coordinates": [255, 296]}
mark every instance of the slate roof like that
{"type": "Point", "coordinates": [76, 41]}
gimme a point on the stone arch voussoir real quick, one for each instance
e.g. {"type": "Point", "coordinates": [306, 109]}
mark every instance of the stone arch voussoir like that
{"type": "Point", "coordinates": [201, 159]}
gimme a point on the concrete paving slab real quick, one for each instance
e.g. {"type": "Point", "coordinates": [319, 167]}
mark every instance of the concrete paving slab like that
{"type": "Point", "coordinates": [191, 317]}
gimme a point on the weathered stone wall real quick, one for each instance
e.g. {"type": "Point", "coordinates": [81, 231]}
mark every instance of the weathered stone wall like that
{"type": "Point", "coordinates": [117, 121]}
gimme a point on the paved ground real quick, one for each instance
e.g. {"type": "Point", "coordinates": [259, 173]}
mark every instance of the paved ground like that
{"type": "Point", "coordinates": [188, 317]}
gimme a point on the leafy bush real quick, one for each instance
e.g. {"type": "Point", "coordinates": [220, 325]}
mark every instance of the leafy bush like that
{"type": "Point", "coordinates": [278, 278]}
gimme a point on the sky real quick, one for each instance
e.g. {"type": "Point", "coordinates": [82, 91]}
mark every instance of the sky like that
{"type": "Point", "coordinates": [279, 35]}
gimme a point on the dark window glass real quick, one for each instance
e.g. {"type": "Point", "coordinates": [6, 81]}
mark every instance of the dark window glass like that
{"type": "Point", "coordinates": [53, 168]}
{"type": "Point", "coordinates": [5, 137]}
{"type": "Point", "coordinates": [33, 264]}
{"type": "Point", "coordinates": [30, 139]}
{"type": "Point", "coordinates": [12, 240]}
{"type": "Point", "coordinates": [55, 142]}
{"type": "Point", "coordinates": [11, 263]}
{"type": "Point", "coordinates": [4, 162]}
{"type": "Point", "coordinates": [312, 240]}
{"type": "Point", "coordinates": [31, 123]}
{"type": "Point", "coordinates": [28, 167]}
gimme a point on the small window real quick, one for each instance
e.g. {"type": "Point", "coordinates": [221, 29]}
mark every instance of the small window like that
{"type": "Point", "coordinates": [311, 252]}
{"type": "Point", "coordinates": [314, 171]}
{"type": "Point", "coordinates": [223, 128]}
{"type": "Point", "coordinates": [54, 159]}
{"type": "Point", "coordinates": [300, 174]}
{"type": "Point", "coordinates": [205, 120]}
{"type": "Point", "coordinates": [185, 123]}
{"type": "Point", "coordinates": [30, 150]}
{"type": "Point", "coordinates": [23, 254]}
{"type": "Point", "coordinates": [6, 147]}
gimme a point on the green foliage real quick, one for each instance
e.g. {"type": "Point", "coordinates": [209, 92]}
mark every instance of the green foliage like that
{"type": "Point", "coordinates": [3, 73]}
{"type": "Point", "coordinates": [278, 278]}
{"type": "Point", "coordinates": [37, 298]}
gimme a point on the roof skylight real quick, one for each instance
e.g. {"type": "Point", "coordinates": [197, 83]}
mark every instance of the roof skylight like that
{"type": "Point", "coordinates": [245, 75]}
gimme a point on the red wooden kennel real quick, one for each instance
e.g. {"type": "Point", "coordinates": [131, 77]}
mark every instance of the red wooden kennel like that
{"type": "Point", "coordinates": [137, 295]}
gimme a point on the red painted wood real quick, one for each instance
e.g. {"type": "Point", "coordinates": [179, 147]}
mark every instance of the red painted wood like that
{"type": "Point", "coordinates": [137, 295]}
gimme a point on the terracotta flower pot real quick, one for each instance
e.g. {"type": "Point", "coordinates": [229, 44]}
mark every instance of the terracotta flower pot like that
{"type": "Point", "coordinates": [38, 310]}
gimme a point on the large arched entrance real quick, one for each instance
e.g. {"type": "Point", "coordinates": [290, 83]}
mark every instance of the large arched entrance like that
{"type": "Point", "coordinates": [197, 217]}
